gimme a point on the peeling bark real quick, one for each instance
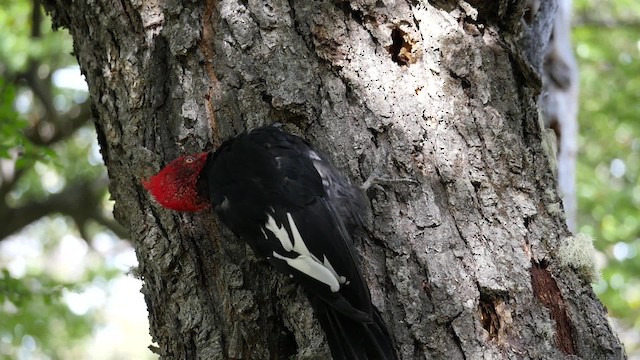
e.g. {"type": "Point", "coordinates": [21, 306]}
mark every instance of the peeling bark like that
{"type": "Point", "coordinates": [439, 93]}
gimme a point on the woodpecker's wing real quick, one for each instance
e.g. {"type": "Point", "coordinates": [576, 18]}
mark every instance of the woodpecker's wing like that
{"type": "Point", "coordinates": [266, 189]}
{"type": "Point", "coordinates": [345, 198]}
{"type": "Point", "coordinates": [318, 255]}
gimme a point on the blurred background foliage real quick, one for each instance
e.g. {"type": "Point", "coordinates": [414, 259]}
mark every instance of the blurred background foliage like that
{"type": "Point", "coordinates": [64, 292]}
{"type": "Point", "coordinates": [606, 40]}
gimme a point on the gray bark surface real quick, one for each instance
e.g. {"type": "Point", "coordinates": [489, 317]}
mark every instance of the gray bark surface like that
{"type": "Point", "coordinates": [463, 264]}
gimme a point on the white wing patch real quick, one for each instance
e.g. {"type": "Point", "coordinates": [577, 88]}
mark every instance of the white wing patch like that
{"type": "Point", "coordinates": [306, 262]}
{"type": "Point", "coordinates": [298, 244]}
{"type": "Point", "coordinates": [280, 232]}
{"type": "Point", "coordinates": [327, 264]}
{"type": "Point", "coordinates": [311, 267]}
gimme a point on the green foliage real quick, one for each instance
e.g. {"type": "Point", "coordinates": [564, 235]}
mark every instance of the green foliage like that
{"type": "Point", "coordinates": [11, 126]}
{"type": "Point", "coordinates": [25, 302]}
{"type": "Point", "coordinates": [610, 13]}
{"type": "Point", "coordinates": [36, 316]}
{"type": "Point", "coordinates": [73, 161]}
{"type": "Point", "coordinates": [13, 142]}
{"type": "Point", "coordinates": [18, 47]}
{"type": "Point", "coordinates": [608, 50]}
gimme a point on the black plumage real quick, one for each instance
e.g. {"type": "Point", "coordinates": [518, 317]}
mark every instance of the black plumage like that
{"type": "Point", "coordinates": [287, 201]}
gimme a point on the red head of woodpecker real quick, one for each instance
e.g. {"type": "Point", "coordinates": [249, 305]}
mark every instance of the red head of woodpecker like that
{"type": "Point", "coordinates": [176, 186]}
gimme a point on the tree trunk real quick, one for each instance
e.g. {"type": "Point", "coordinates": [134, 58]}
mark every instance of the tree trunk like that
{"type": "Point", "coordinates": [464, 264]}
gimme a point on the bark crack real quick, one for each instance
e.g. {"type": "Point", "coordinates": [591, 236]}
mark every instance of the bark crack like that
{"type": "Point", "coordinates": [456, 338]}
{"type": "Point", "coordinates": [206, 45]}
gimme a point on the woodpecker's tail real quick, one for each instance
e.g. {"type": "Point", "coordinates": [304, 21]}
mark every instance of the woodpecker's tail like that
{"type": "Point", "coordinates": [352, 340]}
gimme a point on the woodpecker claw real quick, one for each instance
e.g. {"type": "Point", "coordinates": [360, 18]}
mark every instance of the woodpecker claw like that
{"type": "Point", "coordinates": [375, 178]}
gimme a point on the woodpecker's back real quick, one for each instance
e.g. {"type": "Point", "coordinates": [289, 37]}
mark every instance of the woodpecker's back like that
{"type": "Point", "coordinates": [287, 201]}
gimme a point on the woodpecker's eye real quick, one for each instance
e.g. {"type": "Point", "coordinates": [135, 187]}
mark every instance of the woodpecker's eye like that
{"type": "Point", "coordinates": [189, 159]}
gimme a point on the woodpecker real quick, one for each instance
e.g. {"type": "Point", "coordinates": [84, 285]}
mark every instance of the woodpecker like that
{"type": "Point", "coordinates": [293, 208]}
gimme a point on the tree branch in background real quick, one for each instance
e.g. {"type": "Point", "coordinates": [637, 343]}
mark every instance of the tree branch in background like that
{"type": "Point", "coordinates": [80, 201]}
{"type": "Point", "coordinates": [52, 126]}
{"type": "Point", "coordinates": [9, 176]}
{"type": "Point", "coordinates": [61, 128]}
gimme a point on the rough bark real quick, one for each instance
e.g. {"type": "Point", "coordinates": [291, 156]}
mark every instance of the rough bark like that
{"type": "Point", "coordinates": [463, 264]}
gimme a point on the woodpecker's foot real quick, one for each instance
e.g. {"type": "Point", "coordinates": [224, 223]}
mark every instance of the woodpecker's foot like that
{"type": "Point", "coordinates": [378, 179]}
{"type": "Point", "coordinates": [375, 180]}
